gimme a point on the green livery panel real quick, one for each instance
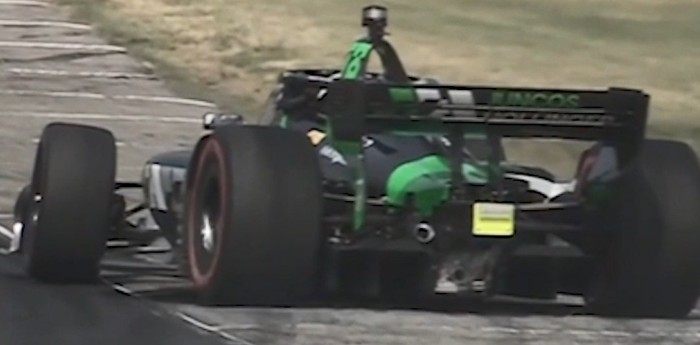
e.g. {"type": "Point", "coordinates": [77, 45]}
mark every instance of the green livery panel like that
{"type": "Point", "coordinates": [357, 60]}
{"type": "Point", "coordinates": [428, 180]}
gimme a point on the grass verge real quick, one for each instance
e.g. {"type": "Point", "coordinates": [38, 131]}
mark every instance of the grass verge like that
{"type": "Point", "coordinates": [149, 45]}
{"type": "Point", "coordinates": [230, 51]}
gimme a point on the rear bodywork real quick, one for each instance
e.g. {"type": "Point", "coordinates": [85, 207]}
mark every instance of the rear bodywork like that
{"type": "Point", "coordinates": [418, 191]}
{"type": "Point", "coordinates": [471, 205]}
{"type": "Point", "coordinates": [415, 169]}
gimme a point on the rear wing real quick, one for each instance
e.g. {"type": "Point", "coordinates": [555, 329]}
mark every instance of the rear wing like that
{"type": "Point", "coordinates": [357, 107]}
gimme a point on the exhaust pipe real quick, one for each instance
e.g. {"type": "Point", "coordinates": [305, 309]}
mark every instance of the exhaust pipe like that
{"type": "Point", "coordinates": [424, 233]}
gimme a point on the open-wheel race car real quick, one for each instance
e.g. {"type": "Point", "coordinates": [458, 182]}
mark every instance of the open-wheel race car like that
{"type": "Point", "coordinates": [388, 185]}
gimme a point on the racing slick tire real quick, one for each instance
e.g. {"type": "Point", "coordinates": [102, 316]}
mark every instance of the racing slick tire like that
{"type": "Point", "coordinates": [253, 217]}
{"type": "Point", "coordinates": [72, 188]}
{"type": "Point", "coordinates": [652, 267]}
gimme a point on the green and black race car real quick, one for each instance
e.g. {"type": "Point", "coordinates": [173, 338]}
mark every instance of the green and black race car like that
{"type": "Point", "coordinates": [393, 186]}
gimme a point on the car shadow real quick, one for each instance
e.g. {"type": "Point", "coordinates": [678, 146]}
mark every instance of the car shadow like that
{"type": "Point", "coordinates": [436, 304]}
{"type": "Point", "coordinates": [181, 293]}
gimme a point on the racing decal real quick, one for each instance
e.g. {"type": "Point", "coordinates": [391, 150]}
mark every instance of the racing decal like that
{"type": "Point", "coordinates": [535, 99]}
{"type": "Point", "coordinates": [357, 60]}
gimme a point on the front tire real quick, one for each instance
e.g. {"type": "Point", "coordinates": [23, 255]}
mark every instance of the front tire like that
{"type": "Point", "coordinates": [253, 216]}
{"type": "Point", "coordinates": [71, 196]}
{"type": "Point", "coordinates": [652, 266]}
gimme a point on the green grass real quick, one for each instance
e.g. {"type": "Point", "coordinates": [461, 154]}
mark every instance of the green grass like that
{"type": "Point", "coordinates": [231, 51]}
{"type": "Point", "coordinates": [150, 45]}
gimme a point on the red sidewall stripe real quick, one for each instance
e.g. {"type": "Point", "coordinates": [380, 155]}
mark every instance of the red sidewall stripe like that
{"type": "Point", "coordinates": [204, 279]}
{"type": "Point", "coordinates": [584, 169]}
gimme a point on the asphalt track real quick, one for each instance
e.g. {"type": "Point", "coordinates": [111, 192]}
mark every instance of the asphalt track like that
{"type": "Point", "coordinates": [32, 313]}
{"type": "Point", "coordinates": [54, 70]}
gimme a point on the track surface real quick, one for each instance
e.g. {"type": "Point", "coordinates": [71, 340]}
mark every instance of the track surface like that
{"type": "Point", "coordinates": [36, 314]}
{"type": "Point", "coordinates": [63, 72]}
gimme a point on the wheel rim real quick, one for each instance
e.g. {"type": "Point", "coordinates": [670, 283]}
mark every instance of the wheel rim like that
{"type": "Point", "coordinates": [209, 217]}
{"type": "Point", "coordinates": [207, 233]}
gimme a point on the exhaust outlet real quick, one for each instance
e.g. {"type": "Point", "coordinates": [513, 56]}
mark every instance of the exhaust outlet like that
{"type": "Point", "coordinates": [424, 233]}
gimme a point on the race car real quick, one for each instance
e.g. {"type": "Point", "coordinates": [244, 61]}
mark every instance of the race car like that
{"type": "Point", "coordinates": [387, 185]}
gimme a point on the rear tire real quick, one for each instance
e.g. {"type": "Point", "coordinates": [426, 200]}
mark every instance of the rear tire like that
{"type": "Point", "coordinates": [259, 191]}
{"type": "Point", "coordinates": [74, 176]}
{"type": "Point", "coordinates": [652, 266]}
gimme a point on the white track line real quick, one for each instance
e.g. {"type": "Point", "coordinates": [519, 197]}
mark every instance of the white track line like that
{"type": "Point", "coordinates": [6, 232]}
{"type": "Point", "coordinates": [62, 46]}
{"type": "Point", "coordinates": [186, 318]}
{"type": "Point", "coordinates": [43, 23]}
{"type": "Point", "coordinates": [81, 74]}
{"type": "Point", "coordinates": [589, 333]}
{"type": "Point", "coordinates": [24, 3]}
{"type": "Point", "coordinates": [117, 144]}
{"type": "Point", "coordinates": [127, 144]}
{"type": "Point", "coordinates": [6, 216]}
{"type": "Point", "coordinates": [88, 95]}
{"type": "Point", "coordinates": [27, 167]}
{"type": "Point", "coordinates": [104, 117]}
{"type": "Point", "coordinates": [120, 288]}
{"type": "Point", "coordinates": [212, 329]}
